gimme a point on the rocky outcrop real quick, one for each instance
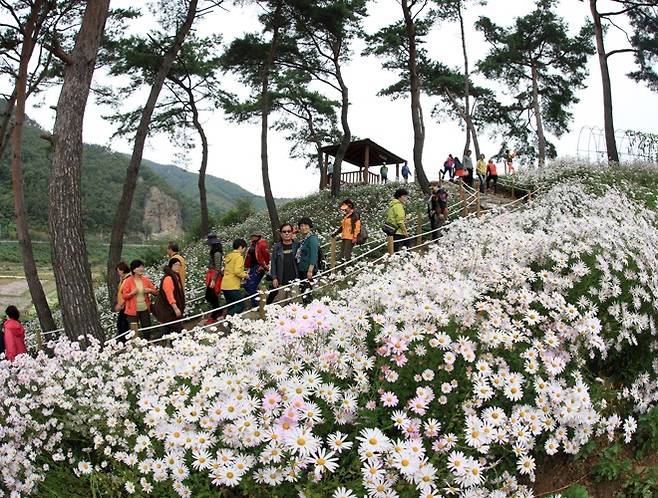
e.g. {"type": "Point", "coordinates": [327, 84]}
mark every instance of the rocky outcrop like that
{"type": "Point", "coordinates": [162, 215]}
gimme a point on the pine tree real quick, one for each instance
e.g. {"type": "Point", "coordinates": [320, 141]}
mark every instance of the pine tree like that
{"type": "Point", "coordinates": [543, 66]}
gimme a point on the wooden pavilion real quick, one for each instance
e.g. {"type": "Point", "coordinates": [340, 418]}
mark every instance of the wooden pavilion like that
{"type": "Point", "coordinates": [363, 153]}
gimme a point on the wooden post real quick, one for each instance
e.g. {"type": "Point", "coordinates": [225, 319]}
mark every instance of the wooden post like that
{"type": "Point", "coordinates": [419, 230]}
{"type": "Point", "coordinates": [261, 304]}
{"type": "Point", "coordinates": [462, 197]}
{"type": "Point", "coordinates": [366, 163]}
{"type": "Point", "coordinates": [332, 260]}
{"type": "Point", "coordinates": [513, 194]}
{"type": "Point", "coordinates": [39, 340]}
{"type": "Point", "coordinates": [397, 172]}
{"type": "Point", "coordinates": [389, 245]}
{"type": "Point", "coordinates": [477, 203]}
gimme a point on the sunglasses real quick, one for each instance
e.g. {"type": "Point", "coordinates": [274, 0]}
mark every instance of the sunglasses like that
{"type": "Point", "coordinates": [286, 231]}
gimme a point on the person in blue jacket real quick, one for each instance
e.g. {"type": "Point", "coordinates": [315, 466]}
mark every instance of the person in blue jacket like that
{"type": "Point", "coordinates": [307, 255]}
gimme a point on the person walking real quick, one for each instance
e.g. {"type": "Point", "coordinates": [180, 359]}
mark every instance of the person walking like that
{"type": "Point", "coordinates": [396, 215]}
{"type": "Point", "coordinates": [509, 159]}
{"type": "Point", "coordinates": [468, 166]}
{"type": "Point", "coordinates": [13, 334]}
{"type": "Point", "coordinates": [257, 264]}
{"type": "Point", "coordinates": [136, 292]}
{"type": "Point", "coordinates": [307, 256]}
{"type": "Point", "coordinates": [283, 267]}
{"type": "Point", "coordinates": [437, 209]}
{"type": "Point", "coordinates": [448, 167]}
{"type": "Point", "coordinates": [173, 251]}
{"type": "Point", "coordinates": [383, 172]}
{"type": "Point", "coordinates": [481, 168]}
{"type": "Point", "coordinates": [214, 271]}
{"type": "Point", "coordinates": [234, 274]}
{"type": "Point", "coordinates": [406, 172]}
{"type": "Point", "coordinates": [123, 271]}
{"type": "Point", "coordinates": [170, 301]}
{"type": "Point", "coordinates": [349, 230]}
{"type": "Point", "coordinates": [492, 174]}
{"type": "Point", "coordinates": [458, 167]}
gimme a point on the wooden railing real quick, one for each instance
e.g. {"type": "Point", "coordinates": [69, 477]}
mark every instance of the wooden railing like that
{"type": "Point", "coordinates": [357, 178]}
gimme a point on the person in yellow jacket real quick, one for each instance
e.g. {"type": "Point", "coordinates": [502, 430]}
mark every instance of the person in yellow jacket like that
{"type": "Point", "coordinates": [481, 168]}
{"type": "Point", "coordinates": [350, 228]}
{"type": "Point", "coordinates": [396, 215]}
{"type": "Point", "coordinates": [234, 274]}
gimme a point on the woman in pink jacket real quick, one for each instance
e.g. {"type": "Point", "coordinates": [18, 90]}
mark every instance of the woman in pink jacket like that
{"type": "Point", "coordinates": [14, 334]}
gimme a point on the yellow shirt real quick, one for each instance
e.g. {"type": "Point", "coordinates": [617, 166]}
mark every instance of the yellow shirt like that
{"type": "Point", "coordinates": [233, 271]}
{"type": "Point", "coordinates": [481, 167]}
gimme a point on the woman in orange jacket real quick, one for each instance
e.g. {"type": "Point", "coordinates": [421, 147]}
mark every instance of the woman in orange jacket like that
{"type": "Point", "coordinates": [350, 228]}
{"type": "Point", "coordinates": [135, 292]}
{"type": "Point", "coordinates": [170, 303]}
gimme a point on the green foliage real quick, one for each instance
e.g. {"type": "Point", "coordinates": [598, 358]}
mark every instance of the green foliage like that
{"type": "Point", "coordinates": [102, 182]}
{"type": "Point", "coordinates": [611, 465]}
{"type": "Point", "coordinates": [646, 439]}
{"type": "Point", "coordinates": [642, 484]}
{"type": "Point", "coordinates": [575, 491]}
{"type": "Point", "coordinates": [243, 209]}
{"type": "Point", "coordinates": [644, 19]}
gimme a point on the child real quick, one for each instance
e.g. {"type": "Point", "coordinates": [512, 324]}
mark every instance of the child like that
{"type": "Point", "coordinates": [14, 334]}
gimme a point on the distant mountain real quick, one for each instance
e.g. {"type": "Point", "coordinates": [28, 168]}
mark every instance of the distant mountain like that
{"type": "Point", "coordinates": [222, 194]}
{"type": "Point", "coordinates": [165, 203]}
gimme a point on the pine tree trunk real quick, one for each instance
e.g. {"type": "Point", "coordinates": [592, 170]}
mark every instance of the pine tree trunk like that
{"type": "Point", "coordinates": [203, 199]}
{"type": "Point", "coordinates": [608, 122]}
{"type": "Point", "coordinates": [130, 183]}
{"type": "Point", "coordinates": [416, 111]}
{"type": "Point", "coordinates": [275, 223]}
{"type": "Point", "coordinates": [347, 133]}
{"type": "Point", "coordinates": [538, 120]}
{"type": "Point", "coordinates": [5, 124]}
{"type": "Point", "coordinates": [22, 229]}
{"type": "Point", "coordinates": [69, 252]}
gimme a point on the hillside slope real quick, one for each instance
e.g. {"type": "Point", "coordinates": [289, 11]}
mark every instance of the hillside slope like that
{"type": "Point", "coordinates": [102, 182]}
{"type": "Point", "coordinates": [222, 194]}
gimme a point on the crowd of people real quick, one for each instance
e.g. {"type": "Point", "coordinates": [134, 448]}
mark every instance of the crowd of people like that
{"type": "Point", "coordinates": [235, 276]}
{"type": "Point", "coordinates": [296, 256]}
{"type": "Point", "coordinates": [487, 173]}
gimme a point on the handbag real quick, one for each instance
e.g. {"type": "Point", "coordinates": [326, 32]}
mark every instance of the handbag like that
{"type": "Point", "coordinates": [389, 229]}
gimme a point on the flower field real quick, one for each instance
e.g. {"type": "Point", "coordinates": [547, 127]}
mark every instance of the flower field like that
{"type": "Point", "coordinates": [457, 371]}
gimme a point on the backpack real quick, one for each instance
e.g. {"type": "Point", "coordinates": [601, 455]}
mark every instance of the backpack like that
{"type": "Point", "coordinates": [363, 235]}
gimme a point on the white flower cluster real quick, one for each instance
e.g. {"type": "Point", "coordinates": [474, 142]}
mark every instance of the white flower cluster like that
{"type": "Point", "coordinates": [442, 373]}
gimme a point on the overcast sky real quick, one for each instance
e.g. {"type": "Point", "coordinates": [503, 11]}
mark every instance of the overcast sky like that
{"type": "Point", "coordinates": [235, 151]}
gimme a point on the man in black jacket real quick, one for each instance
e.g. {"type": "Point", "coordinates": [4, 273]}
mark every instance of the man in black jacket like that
{"type": "Point", "coordinates": [283, 266]}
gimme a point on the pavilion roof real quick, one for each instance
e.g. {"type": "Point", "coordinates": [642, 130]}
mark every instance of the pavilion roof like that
{"type": "Point", "coordinates": [356, 153]}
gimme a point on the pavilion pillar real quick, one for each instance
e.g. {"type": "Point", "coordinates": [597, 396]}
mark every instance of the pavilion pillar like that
{"type": "Point", "coordinates": [325, 177]}
{"type": "Point", "coordinates": [366, 163]}
{"type": "Point", "coordinates": [397, 172]}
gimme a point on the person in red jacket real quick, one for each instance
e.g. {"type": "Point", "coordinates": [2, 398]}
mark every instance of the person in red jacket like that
{"type": "Point", "coordinates": [136, 291]}
{"type": "Point", "coordinates": [14, 334]}
{"type": "Point", "coordinates": [257, 264]}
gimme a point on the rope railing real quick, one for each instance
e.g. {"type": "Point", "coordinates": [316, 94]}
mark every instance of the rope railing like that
{"type": "Point", "coordinates": [471, 200]}
{"type": "Point", "coordinates": [344, 276]}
